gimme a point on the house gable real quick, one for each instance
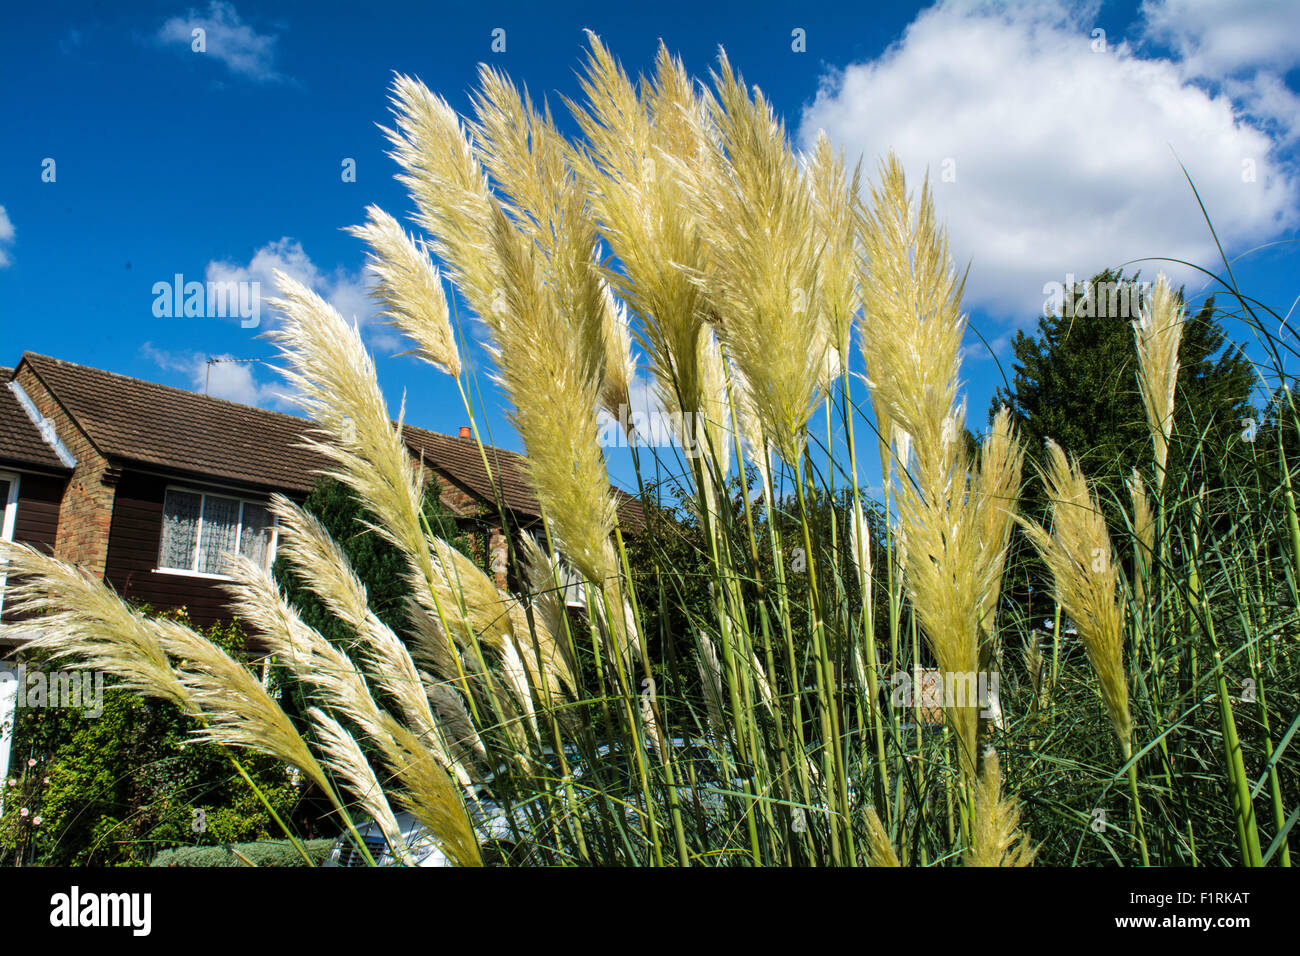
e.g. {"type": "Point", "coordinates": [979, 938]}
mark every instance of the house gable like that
{"type": "Point", "coordinates": [86, 507]}
{"type": "Point", "coordinates": [131, 439]}
{"type": "Point", "coordinates": [33, 468]}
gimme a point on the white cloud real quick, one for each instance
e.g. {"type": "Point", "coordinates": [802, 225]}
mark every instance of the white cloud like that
{"type": "Point", "coordinates": [1062, 159]}
{"type": "Point", "coordinates": [227, 377]}
{"type": "Point", "coordinates": [6, 237]}
{"type": "Point", "coordinates": [235, 381]}
{"type": "Point", "coordinates": [226, 37]}
{"type": "Point", "coordinates": [346, 291]}
{"type": "Point", "coordinates": [1267, 100]}
{"type": "Point", "coordinates": [647, 412]}
{"type": "Point", "coordinates": [1242, 47]}
{"type": "Point", "coordinates": [1217, 38]}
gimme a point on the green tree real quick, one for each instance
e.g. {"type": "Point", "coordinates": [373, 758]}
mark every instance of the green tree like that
{"type": "Point", "coordinates": [378, 564]}
{"type": "Point", "coordinates": [1074, 382]}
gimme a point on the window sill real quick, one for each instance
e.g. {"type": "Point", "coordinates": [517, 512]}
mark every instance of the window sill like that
{"type": "Point", "coordinates": [193, 574]}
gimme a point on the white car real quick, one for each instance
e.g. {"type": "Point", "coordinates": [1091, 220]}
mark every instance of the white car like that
{"type": "Point", "coordinates": [424, 849]}
{"type": "Point", "coordinates": [499, 831]}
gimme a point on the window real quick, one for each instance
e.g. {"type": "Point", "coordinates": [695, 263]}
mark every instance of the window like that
{"type": "Point", "coordinates": [198, 528]}
{"type": "Point", "coordinates": [8, 514]}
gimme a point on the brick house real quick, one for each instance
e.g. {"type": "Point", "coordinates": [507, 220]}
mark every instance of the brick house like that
{"type": "Point", "coordinates": [146, 485]}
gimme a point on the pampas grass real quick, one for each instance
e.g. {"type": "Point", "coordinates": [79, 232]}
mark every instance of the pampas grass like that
{"type": "Point", "coordinates": [450, 189]}
{"type": "Point", "coordinates": [1144, 533]}
{"type": "Point", "coordinates": [524, 261]}
{"type": "Point", "coordinates": [756, 216]}
{"type": "Point", "coordinates": [880, 852]}
{"type": "Point", "coordinates": [996, 839]}
{"type": "Point", "coordinates": [1079, 554]}
{"type": "Point", "coordinates": [161, 658]}
{"type": "Point", "coordinates": [410, 289]}
{"type": "Point", "coordinates": [620, 367]}
{"type": "Point", "coordinates": [835, 200]}
{"type": "Point", "coordinates": [996, 489]}
{"type": "Point", "coordinates": [555, 397]}
{"type": "Point", "coordinates": [76, 618]}
{"type": "Point", "coordinates": [322, 564]}
{"type": "Point", "coordinates": [953, 530]}
{"type": "Point", "coordinates": [715, 695]}
{"type": "Point", "coordinates": [72, 616]}
{"type": "Point", "coordinates": [1158, 331]}
{"type": "Point", "coordinates": [343, 755]}
{"type": "Point", "coordinates": [334, 379]}
{"type": "Point", "coordinates": [639, 147]}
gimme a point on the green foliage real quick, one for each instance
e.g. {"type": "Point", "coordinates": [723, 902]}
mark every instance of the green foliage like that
{"type": "Point", "coordinates": [1075, 382]}
{"type": "Point", "coordinates": [672, 571]}
{"type": "Point", "coordinates": [112, 790]}
{"type": "Point", "coordinates": [378, 564]}
{"type": "Point", "coordinates": [260, 853]}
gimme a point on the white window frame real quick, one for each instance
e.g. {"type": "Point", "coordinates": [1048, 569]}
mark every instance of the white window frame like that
{"type": "Point", "coordinates": [203, 494]}
{"type": "Point", "coordinates": [9, 520]}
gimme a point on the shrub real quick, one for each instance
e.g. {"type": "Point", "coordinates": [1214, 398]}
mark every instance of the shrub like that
{"type": "Point", "coordinates": [110, 790]}
{"type": "Point", "coordinates": [260, 853]}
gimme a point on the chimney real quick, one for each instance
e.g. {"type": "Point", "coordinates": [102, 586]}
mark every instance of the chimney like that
{"type": "Point", "coordinates": [465, 432]}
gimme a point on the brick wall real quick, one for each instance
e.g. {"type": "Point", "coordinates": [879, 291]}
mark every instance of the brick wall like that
{"type": "Point", "coordinates": [86, 512]}
{"type": "Point", "coordinates": [464, 504]}
{"type": "Point", "coordinates": [499, 557]}
{"type": "Point", "coordinates": [455, 499]}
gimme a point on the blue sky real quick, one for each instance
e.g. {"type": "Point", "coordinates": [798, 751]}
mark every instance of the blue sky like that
{"type": "Point", "coordinates": [1058, 143]}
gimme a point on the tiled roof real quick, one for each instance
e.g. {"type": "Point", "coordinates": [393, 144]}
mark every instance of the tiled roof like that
{"type": "Point", "coordinates": [178, 430]}
{"type": "Point", "coordinates": [460, 460]}
{"type": "Point", "coordinates": [20, 442]}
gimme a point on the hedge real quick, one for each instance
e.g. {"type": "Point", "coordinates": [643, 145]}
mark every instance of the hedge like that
{"type": "Point", "coordinates": [261, 853]}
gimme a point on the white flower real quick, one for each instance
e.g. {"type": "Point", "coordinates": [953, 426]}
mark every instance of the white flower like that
{"type": "Point", "coordinates": [31, 762]}
{"type": "Point", "coordinates": [36, 821]}
{"type": "Point", "coordinates": [22, 812]}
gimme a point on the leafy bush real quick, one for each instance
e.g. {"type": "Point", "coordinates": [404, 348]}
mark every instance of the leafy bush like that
{"type": "Point", "coordinates": [260, 853]}
{"type": "Point", "coordinates": [112, 789]}
{"type": "Point", "coordinates": [377, 563]}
